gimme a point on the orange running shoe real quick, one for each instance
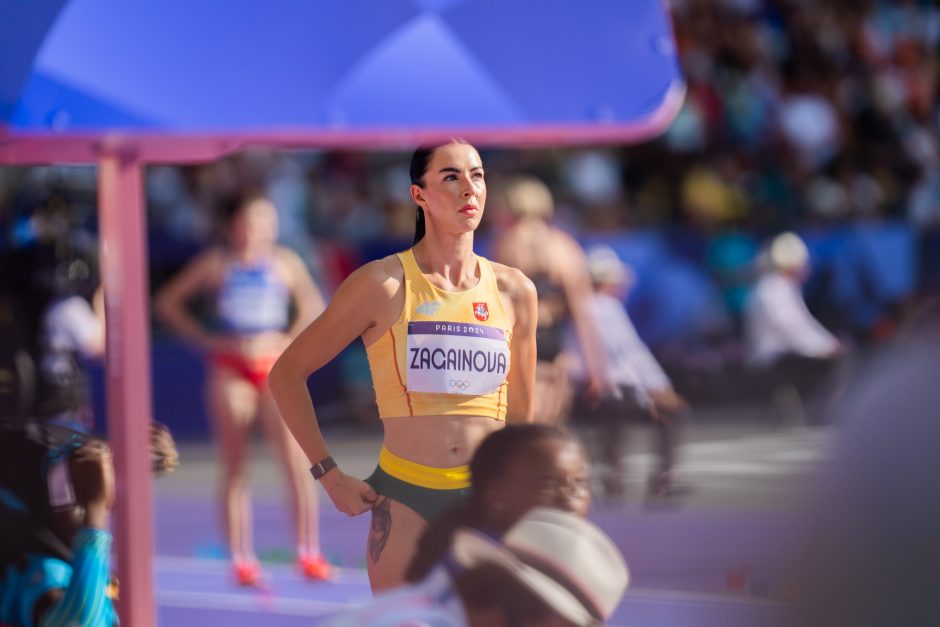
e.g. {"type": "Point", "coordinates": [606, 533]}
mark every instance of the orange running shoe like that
{"type": "Point", "coordinates": [247, 572]}
{"type": "Point", "coordinates": [315, 568]}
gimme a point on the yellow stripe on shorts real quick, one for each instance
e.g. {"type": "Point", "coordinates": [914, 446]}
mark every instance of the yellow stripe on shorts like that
{"type": "Point", "coordinates": [455, 478]}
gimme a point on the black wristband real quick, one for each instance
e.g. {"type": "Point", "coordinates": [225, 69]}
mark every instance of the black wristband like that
{"type": "Point", "coordinates": [322, 467]}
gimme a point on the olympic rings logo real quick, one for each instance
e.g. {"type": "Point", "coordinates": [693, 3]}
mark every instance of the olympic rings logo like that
{"type": "Point", "coordinates": [459, 385]}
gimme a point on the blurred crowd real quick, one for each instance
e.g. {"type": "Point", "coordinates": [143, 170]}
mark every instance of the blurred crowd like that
{"type": "Point", "coordinates": [805, 111]}
{"type": "Point", "coordinates": [814, 117]}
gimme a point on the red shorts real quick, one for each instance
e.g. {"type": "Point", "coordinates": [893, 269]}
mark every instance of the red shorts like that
{"type": "Point", "coordinates": [254, 370]}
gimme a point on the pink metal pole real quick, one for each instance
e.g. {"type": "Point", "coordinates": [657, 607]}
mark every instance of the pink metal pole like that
{"type": "Point", "coordinates": [124, 262]}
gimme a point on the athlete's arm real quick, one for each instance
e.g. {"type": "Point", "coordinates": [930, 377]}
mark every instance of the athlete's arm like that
{"type": "Point", "coordinates": [170, 302]}
{"type": "Point", "coordinates": [307, 297]}
{"type": "Point", "coordinates": [355, 307]}
{"type": "Point", "coordinates": [524, 304]}
{"type": "Point", "coordinates": [576, 282]}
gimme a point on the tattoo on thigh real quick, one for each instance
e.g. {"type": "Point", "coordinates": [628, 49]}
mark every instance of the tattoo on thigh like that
{"type": "Point", "coordinates": [381, 527]}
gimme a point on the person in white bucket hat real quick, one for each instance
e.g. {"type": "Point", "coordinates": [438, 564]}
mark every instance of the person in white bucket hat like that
{"type": "Point", "coordinates": [568, 562]}
{"type": "Point", "coordinates": [551, 569]}
{"type": "Point", "coordinates": [794, 357]}
{"type": "Point", "coordinates": [777, 321]}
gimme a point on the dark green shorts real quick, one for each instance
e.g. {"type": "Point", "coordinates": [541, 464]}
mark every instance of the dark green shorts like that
{"type": "Point", "coordinates": [427, 502]}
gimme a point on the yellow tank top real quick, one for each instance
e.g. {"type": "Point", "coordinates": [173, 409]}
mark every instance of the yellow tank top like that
{"type": "Point", "coordinates": [448, 352]}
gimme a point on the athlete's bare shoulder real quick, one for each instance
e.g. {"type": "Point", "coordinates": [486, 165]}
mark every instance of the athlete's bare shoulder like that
{"type": "Point", "coordinates": [512, 281]}
{"type": "Point", "coordinates": [519, 298]}
{"type": "Point", "coordinates": [288, 261]}
{"type": "Point", "coordinates": [564, 242]}
{"type": "Point", "coordinates": [380, 277]}
{"type": "Point", "coordinates": [283, 254]}
{"type": "Point", "coordinates": [376, 287]}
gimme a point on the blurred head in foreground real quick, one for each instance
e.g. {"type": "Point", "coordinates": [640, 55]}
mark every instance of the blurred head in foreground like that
{"type": "Point", "coordinates": [521, 467]}
{"type": "Point", "coordinates": [515, 469]}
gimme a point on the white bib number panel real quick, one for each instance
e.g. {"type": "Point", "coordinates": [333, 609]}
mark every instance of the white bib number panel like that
{"type": "Point", "coordinates": [456, 358]}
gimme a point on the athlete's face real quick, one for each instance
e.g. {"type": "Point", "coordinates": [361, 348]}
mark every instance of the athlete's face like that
{"type": "Point", "coordinates": [551, 473]}
{"type": "Point", "coordinates": [454, 190]}
{"type": "Point", "coordinates": [254, 227]}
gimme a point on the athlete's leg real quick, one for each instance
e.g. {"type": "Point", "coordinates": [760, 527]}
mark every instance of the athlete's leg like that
{"type": "Point", "coordinates": [233, 404]}
{"type": "Point", "coordinates": [302, 493]}
{"type": "Point", "coordinates": [393, 537]}
{"type": "Point", "coordinates": [553, 393]}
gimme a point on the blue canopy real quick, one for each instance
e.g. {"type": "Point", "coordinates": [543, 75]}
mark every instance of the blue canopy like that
{"type": "Point", "coordinates": [129, 83]}
{"type": "Point", "coordinates": [321, 72]}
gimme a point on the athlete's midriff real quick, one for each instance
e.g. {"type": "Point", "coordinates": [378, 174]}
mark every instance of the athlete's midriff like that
{"type": "Point", "coordinates": [437, 441]}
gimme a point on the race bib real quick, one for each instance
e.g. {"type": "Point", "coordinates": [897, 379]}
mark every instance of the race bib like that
{"type": "Point", "coordinates": [456, 358]}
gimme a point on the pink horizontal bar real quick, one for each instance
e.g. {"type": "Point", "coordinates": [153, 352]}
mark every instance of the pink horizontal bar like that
{"type": "Point", "coordinates": [152, 147]}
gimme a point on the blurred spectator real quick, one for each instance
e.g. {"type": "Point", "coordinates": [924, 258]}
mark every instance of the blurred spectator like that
{"type": "Point", "coordinates": [172, 208]}
{"type": "Point", "coordinates": [790, 347]}
{"type": "Point", "coordinates": [47, 301]}
{"type": "Point", "coordinates": [55, 551]}
{"type": "Point", "coordinates": [551, 569]}
{"type": "Point", "coordinates": [778, 323]}
{"type": "Point", "coordinates": [640, 390]}
{"type": "Point", "coordinates": [923, 202]}
{"type": "Point", "coordinates": [71, 331]}
{"type": "Point", "coordinates": [56, 493]}
{"type": "Point", "coordinates": [810, 124]}
{"type": "Point", "coordinates": [711, 199]}
{"type": "Point", "coordinates": [826, 199]}
{"type": "Point", "coordinates": [730, 258]}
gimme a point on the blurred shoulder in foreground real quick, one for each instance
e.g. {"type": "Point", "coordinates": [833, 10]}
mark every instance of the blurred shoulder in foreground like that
{"type": "Point", "coordinates": [870, 546]}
